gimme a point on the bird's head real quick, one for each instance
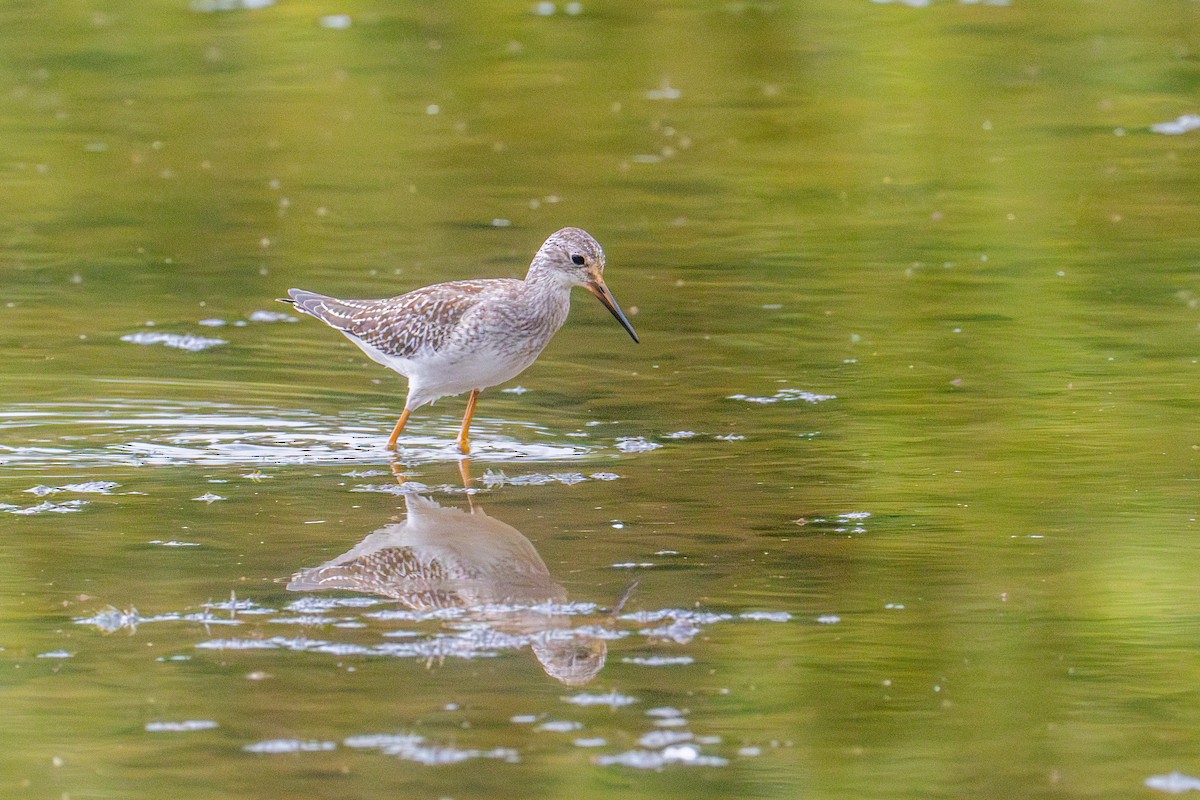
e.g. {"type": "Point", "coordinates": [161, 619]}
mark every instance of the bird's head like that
{"type": "Point", "coordinates": [572, 255]}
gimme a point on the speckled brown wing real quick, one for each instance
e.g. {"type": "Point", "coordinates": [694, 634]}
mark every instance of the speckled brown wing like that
{"type": "Point", "coordinates": [396, 572]}
{"type": "Point", "coordinates": [398, 326]}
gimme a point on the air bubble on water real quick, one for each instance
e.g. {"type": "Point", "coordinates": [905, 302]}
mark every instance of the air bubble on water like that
{"type": "Point", "coordinates": [1182, 124]}
{"type": "Point", "coordinates": [279, 746]}
{"type": "Point", "coordinates": [675, 754]}
{"type": "Point", "coordinates": [656, 740]}
{"type": "Point", "coordinates": [90, 487]}
{"type": "Point", "coordinates": [636, 444]}
{"type": "Point", "coordinates": [665, 91]}
{"type": "Point", "coordinates": [188, 342]}
{"type": "Point", "coordinates": [765, 616]}
{"type": "Point", "coordinates": [659, 661]}
{"type": "Point", "coordinates": [65, 507]}
{"type": "Point", "coordinates": [560, 726]}
{"type": "Point", "coordinates": [185, 726]}
{"type": "Point", "coordinates": [271, 316]}
{"type": "Point", "coordinates": [336, 21]}
{"type": "Point", "coordinates": [784, 396]}
{"type": "Point", "coordinates": [211, 6]}
{"type": "Point", "coordinates": [612, 699]}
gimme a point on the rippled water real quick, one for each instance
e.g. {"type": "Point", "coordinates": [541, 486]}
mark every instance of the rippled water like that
{"type": "Point", "coordinates": [897, 497]}
{"type": "Point", "coordinates": [132, 433]}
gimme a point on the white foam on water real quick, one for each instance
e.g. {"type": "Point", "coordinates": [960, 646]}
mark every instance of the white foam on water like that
{"type": "Point", "coordinates": [180, 341]}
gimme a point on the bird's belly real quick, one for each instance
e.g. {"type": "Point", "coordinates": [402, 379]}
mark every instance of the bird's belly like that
{"type": "Point", "coordinates": [452, 371]}
{"type": "Point", "coordinates": [446, 374]}
{"type": "Point", "coordinates": [476, 370]}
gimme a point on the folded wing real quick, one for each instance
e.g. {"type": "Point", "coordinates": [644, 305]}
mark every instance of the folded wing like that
{"type": "Point", "coordinates": [403, 326]}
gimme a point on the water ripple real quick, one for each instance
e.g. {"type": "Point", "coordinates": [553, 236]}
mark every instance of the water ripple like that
{"type": "Point", "coordinates": [160, 433]}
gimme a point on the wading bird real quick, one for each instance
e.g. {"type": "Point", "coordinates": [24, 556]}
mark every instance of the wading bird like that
{"type": "Point", "coordinates": [465, 336]}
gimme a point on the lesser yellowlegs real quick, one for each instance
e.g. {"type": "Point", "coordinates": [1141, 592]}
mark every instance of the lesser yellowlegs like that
{"type": "Point", "coordinates": [465, 336]}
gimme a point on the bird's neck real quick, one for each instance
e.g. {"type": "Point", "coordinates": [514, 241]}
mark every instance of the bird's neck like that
{"type": "Point", "coordinates": [550, 291]}
{"type": "Point", "coordinates": [550, 282]}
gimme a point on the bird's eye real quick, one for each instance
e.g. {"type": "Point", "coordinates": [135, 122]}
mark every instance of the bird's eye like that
{"type": "Point", "coordinates": [577, 259]}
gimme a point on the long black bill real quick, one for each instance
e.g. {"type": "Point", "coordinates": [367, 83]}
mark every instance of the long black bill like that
{"type": "Point", "coordinates": [605, 296]}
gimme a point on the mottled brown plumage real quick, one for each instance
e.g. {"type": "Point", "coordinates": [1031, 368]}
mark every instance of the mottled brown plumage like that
{"type": "Point", "coordinates": [386, 324]}
{"type": "Point", "coordinates": [463, 336]}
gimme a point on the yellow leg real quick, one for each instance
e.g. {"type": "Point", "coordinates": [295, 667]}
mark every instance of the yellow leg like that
{"type": "Point", "coordinates": [396, 431]}
{"type": "Point", "coordinates": [463, 444]}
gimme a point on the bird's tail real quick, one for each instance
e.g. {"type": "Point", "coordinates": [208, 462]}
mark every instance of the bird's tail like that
{"type": "Point", "coordinates": [330, 310]}
{"type": "Point", "coordinates": [308, 302]}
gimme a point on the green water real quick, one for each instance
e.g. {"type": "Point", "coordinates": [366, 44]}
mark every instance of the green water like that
{"type": "Point", "coordinates": [897, 498]}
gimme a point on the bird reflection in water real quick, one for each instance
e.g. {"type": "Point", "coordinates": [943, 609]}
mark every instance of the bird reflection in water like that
{"type": "Point", "coordinates": [442, 557]}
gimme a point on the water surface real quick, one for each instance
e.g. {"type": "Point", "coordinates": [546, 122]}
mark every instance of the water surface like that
{"type": "Point", "coordinates": [897, 497]}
